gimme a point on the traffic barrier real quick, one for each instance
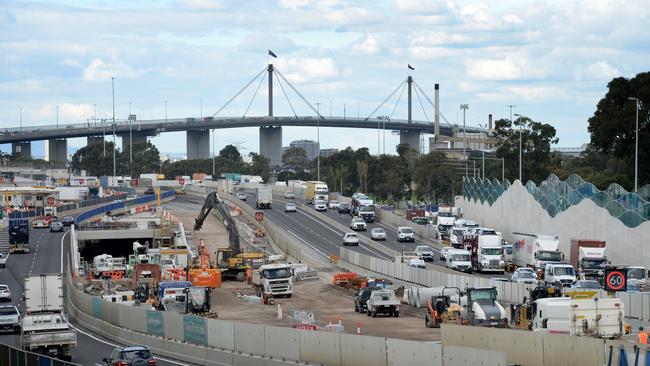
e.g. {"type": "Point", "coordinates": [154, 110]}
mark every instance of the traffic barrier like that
{"type": "Point", "coordinates": [340, 278]}
{"type": "Point", "coordinates": [11, 356]}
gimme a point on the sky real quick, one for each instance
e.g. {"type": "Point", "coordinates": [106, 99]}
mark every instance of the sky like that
{"type": "Point", "coordinates": [552, 59]}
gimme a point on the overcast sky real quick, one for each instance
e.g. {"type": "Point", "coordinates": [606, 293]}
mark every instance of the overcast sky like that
{"type": "Point", "coordinates": [552, 59]}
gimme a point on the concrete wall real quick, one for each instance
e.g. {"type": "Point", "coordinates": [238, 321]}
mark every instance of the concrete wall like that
{"type": "Point", "coordinates": [517, 211]}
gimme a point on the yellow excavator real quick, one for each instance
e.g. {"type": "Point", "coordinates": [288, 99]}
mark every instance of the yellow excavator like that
{"type": "Point", "coordinates": [232, 261]}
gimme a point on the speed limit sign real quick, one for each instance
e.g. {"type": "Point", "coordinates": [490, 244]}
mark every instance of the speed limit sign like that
{"type": "Point", "coordinates": [616, 280]}
{"type": "Point", "coordinates": [50, 201]}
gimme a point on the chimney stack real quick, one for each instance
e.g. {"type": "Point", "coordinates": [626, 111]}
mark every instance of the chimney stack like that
{"type": "Point", "coordinates": [437, 117]}
{"type": "Point", "coordinates": [490, 122]}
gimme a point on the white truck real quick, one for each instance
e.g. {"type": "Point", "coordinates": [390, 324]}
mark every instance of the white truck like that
{"type": "Point", "coordinates": [45, 328]}
{"type": "Point", "coordinates": [444, 222]}
{"type": "Point", "coordinates": [636, 278]}
{"type": "Point", "coordinates": [263, 197]}
{"type": "Point", "coordinates": [535, 250]}
{"type": "Point", "coordinates": [596, 317]}
{"type": "Point", "coordinates": [104, 264]}
{"type": "Point", "coordinates": [486, 251]}
{"type": "Point", "coordinates": [383, 302]}
{"type": "Point", "coordinates": [275, 280]}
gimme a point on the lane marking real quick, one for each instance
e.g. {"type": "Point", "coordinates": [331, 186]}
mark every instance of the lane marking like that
{"type": "Point", "coordinates": [309, 245]}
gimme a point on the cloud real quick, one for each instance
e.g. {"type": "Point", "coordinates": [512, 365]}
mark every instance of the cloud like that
{"type": "Point", "coordinates": [67, 112]}
{"type": "Point", "coordinates": [202, 4]}
{"type": "Point", "coordinates": [294, 4]}
{"type": "Point", "coordinates": [259, 42]}
{"type": "Point", "coordinates": [600, 71]}
{"type": "Point", "coordinates": [98, 70]}
{"type": "Point", "coordinates": [430, 53]}
{"type": "Point", "coordinates": [70, 63]}
{"type": "Point", "coordinates": [25, 86]}
{"type": "Point", "coordinates": [309, 70]}
{"type": "Point", "coordinates": [367, 46]}
{"type": "Point", "coordinates": [537, 93]}
{"type": "Point", "coordinates": [422, 6]}
{"type": "Point", "coordinates": [512, 66]}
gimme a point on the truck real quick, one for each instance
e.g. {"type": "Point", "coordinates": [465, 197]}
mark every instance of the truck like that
{"type": "Point", "coordinates": [10, 318]}
{"type": "Point", "coordinates": [535, 250]}
{"type": "Point", "coordinates": [383, 301]}
{"type": "Point", "coordinates": [636, 278]}
{"type": "Point", "coordinates": [43, 221]}
{"type": "Point", "coordinates": [72, 193]}
{"type": "Point", "coordinates": [104, 265]}
{"type": "Point", "coordinates": [485, 251]}
{"type": "Point", "coordinates": [263, 197]}
{"type": "Point", "coordinates": [275, 280]}
{"type": "Point", "coordinates": [45, 328]}
{"type": "Point", "coordinates": [18, 235]}
{"type": "Point", "coordinates": [596, 317]}
{"type": "Point", "coordinates": [366, 211]}
{"type": "Point", "coordinates": [444, 222]}
{"type": "Point", "coordinates": [316, 190]}
{"type": "Point", "coordinates": [559, 274]}
{"type": "Point", "coordinates": [483, 309]}
{"type": "Point", "coordinates": [588, 258]}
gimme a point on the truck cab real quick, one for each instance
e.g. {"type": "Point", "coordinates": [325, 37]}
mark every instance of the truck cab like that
{"type": "Point", "coordinates": [561, 274]}
{"type": "Point", "coordinates": [444, 223]}
{"type": "Point", "coordinates": [636, 277]}
{"type": "Point", "coordinates": [488, 253]}
{"type": "Point", "coordinates": [367, 211]}
{"type": "Point", "coordinates": [592, 263]}
{"type": "Point", "coordinates": [276, 280]}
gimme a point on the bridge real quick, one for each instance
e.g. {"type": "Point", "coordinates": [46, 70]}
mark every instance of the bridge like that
{"type": "Point", "coordinates": [270, 126]}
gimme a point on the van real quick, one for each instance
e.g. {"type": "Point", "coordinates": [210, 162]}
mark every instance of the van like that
{"type": "Point", "coordinates": [559, 274]}
{"type": "Point", "coordinates": [459, 260]}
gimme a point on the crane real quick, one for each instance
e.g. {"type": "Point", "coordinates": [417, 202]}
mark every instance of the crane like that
{"type": "Point", "coordinates": [232, 261]}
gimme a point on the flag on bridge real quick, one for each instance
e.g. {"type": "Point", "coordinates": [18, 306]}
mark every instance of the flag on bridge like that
{"type": "Point", "coordinates": [410, 67]}
{"type": "Point", "coordinates": [272, 54]}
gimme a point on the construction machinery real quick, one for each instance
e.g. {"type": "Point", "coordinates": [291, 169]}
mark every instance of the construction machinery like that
{"type": "Point", "coordinates": [202, 273]}
{"type": "Point", "coordinates": [522, 314]}
{"type": "Point", "coordinates": [232, 262]}
{"type": "Point", "coordinates": [441, 309]}
{"type": "Point", "coordinates": [145, 280]}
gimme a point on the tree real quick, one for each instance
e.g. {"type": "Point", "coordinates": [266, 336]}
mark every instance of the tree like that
{"type": "Point", "coordinates": [260, 166]}
{"type": "Point", "coordinates": [146, 159]}
{"type": "Point", "coordinates": [230, 152]}
{"type": "Point", "coordinates": [295, 160]}
{"type": "Point", "coordinates": [536, 138]}
{"type": "Point", "coordinates": [91, 158]}
{"type": "Point", "coordinates": [434, 181]}
{"type": "Point", "coordinates": [613, 126]}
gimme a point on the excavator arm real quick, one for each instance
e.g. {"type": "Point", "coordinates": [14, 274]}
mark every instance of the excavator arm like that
{"type": "Point", "coordinates": [212, 201]}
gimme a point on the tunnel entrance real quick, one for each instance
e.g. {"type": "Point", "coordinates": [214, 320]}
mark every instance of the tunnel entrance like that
{"type": "Point", "coordinates": [89, 249]}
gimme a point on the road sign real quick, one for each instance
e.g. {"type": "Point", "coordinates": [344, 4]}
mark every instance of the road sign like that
{"type": "Point", "coordinates": [259, 216]}
{"type": "Point", "coordinates": [50, 201]}
{"type": "Point", "coordinates": [305, 326]}
{"type": "Point", "coordinates": [616, 280]}
{"type": "Point", "coordinates": [181, 181]}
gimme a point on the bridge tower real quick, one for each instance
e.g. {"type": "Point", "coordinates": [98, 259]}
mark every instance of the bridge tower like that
{"type": "Point", "coordinates": [22, 149]}
{"type": "Point", "coordinates": [271, 134]}
{"type": "Point", "coordinates": [412, 138]}
{"type": "Point", "coordinates": [57, 150]}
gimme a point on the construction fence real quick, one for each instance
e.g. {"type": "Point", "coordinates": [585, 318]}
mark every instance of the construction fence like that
{"type": "Point", "coordinates": [124, 204]}
{"type": "Point", "coordinates": [67, 207]}
{"type": "Point", "coordinates": [11, 356]}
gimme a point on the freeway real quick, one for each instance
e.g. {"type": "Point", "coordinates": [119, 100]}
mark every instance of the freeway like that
{"type": "Point", "coordinates": [45, 257]}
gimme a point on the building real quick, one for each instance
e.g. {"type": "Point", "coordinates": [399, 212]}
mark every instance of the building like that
{"type": "Point", "coordinates": [573, 152]}
{"type": "Point", "coordinates": [27, 197]}
{"type": "Point", "coordinates": [328, 152]}
{"type": "Point", "coordinates": [311, 147]}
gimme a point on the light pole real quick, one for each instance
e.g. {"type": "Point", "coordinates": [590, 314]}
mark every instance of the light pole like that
{"type": "Point", "coordinates": [21, 119]}
{"type": "Point", "coordinates": [520, 147]}
{"type": "Point", "coordinates": [130, 144]}
{"type": "Point", "coordinates": [113, 89]}
{"type": "Point", "coordinates": [201, 108]}
{"type": "Point", "coordinates": [57, 116]}
{"type": "Point", "coordinates": [165, 111]}
{"type": "Point", "coordinates": [318, 140]}
{"type": "Point", "coordinates": [464, 107]}
{"type": "Point", "coordinates": [636, 144]}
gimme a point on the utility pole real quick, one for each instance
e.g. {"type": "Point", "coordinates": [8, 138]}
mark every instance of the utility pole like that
{"type": "Point", "coordinates": [57, 116]}
{"type": "Point", "coordinates": [483, 164]}
{"type": "Point", "coordinates": [344, 117]}
{"type": "Point", "coordinates": [21, 119]}
{"type": "Point", "coordinates": [113, 88]}
{"type": "Point", "coordinates": [520, 117]}
{"type": "Point", "coordinates": [636, 144]}
{"type": "Point", "coordinates": [130, 145]}
{"type": "Point", "coordinates": [514, 106]}
{"type": "Point", "coordinates": [318, 140]}
{"type": "Point", "coordinates": [464, 107]}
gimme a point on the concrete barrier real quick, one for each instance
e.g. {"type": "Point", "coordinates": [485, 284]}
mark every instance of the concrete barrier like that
{"type": "Point", "coordinates": [409, 353]}
{"type": "Point", "coordinates": [464, 356]}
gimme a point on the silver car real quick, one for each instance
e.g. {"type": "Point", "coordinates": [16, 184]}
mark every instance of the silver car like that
{"type": "Point", "coordinates": [377, 234]}
{"type": "Point", "coordinates": [290, 207]}
{"type": "Point", "coordinates": [524, 275]}
{"type": "Point", "coordinates": [56, 227]}
{"type": "Point", "coordinates": [5, 293]}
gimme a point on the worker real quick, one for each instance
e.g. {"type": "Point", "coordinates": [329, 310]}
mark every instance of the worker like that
{"type": "Point", "coordinates": [249, 275]}
{"type": "Point", "coordinates": [642, 336]}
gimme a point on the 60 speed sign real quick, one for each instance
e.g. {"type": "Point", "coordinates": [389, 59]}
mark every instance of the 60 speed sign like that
{"type": "Point", "coordinates": [616, 280]}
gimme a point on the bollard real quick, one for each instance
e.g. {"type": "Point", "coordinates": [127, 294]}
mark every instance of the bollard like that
{"type": "Point", "coordinates": [279, 311]}
{"type": "Point", "coordinates": [358, 328]}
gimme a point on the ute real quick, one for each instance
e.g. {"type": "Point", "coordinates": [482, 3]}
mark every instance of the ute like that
{"type": "Point", "coordinates": [382, 301]}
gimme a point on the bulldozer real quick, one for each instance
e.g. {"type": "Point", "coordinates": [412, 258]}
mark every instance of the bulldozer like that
{"type": "Point", "coordinates": [231, 261]}
{"type": "Point", "coordinates": [440, 309]}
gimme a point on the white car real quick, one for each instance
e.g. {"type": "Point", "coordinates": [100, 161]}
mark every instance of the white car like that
{"type": "Point", "coordinates": [289, 195]}
{"type": "Point", "coordinates": [358, 223]}
{"type": "Point", "coordinates": [241, 196]}
{"type": "Point", "coordinates": [5, 293]}
{"type": "Point", "coordinates": [350, 239]}
{"type": "Point", "coordinates": [290, 207]}
{"type": "Point", "coordinates": [417, 263]}
{"type": "Point", "coordinates": [320, 205]}
{"type": "Point", "coordinates": [333, 205]}
{"type": "Point", "coordinates": [524, 275]}
{"type": "Point", "coordinates": [424, 252]}
{"type": "Point", "coordinates": [444, 251]}
{"type": "Point", "coordinates": [377, 234]}
{"type": "Point", "coordinates": [405, 233]}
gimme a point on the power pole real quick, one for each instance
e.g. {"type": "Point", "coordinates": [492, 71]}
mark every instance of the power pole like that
{"type": "Point", "coordinates": [514, 106]}
{"type": "Point", "coordinates": [318, 140]}
{"type": "Point", "coordinates": [113, 88]}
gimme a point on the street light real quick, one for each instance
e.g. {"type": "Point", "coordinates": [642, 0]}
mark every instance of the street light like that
{"type": "Point", "coordinates": [130, 144]}
{"type": "Point", "coordinates": [113, 89]}
{"type": "Point", "coordinates": [318, 140]}
{"type": "Point", "coordinates": [636, 143]}
{"type": "Point", "coordinates": [464, 107]}
{"type": "Point", "coordinates": [520, 148]}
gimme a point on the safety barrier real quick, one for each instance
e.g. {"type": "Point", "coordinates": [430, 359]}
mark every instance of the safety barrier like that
{"type": "Point", "coordinates": [11, 356]}
{"type": "Point", "coordinates": [67, 207]}
{"type": "Point", "coordinates": [123, 204]}
{"type": "Point", "coordinates": [508, 291]}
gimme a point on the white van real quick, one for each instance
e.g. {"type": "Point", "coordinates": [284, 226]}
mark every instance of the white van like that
{"type": "Point", "coordinates": [459, 260]}
{"type": "Point", "coordinates": [559, 274]}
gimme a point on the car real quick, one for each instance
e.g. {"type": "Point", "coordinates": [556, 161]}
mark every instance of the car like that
{"type": "Point", "coordinates": [417, 263]}
{"type": "Point", "coordinates": [361, 298]}
{"type": "Point", "coordinates": [405, 233]}
{"type": "Point", "coordinates": [5, 293]}
{"type": "Point", "coordinates": [333, 204]}
{"type": "Point", "coordinates": [343, 207]}
{"type": "Point", "coordinates": [377, 234]}
{"type": "Point", "coordinates": [443, 252]}
{"type": "Point", "coordinates": [241, 196]}
{"type": "Point", "coordinates": [524, 275]}
{"type": "Point", "coordinates": [67, 221]}
{"type": "Point", "coordinates": [350, 239]}
{"type": "Point", "coordinates": [10, 318]}
{"type": "Point", "coordinates": [358, 223]}
{"type": "Point", "coordinates": [130, 356]}
{"type": "Point", "coordinates": [289, 195]}
{"type": "Point", "coordinates": [290, 207]}
{"type": "Point", "coordinates": [56, 227]}
{"type": "Point", "coordinates": [424, 252]}
{"type": "Point", "coordinates": [149, 191]}
{"type": "Point", "coordinates": [320, 205]}
{"type": "Point", "coordinates": [587, 284]}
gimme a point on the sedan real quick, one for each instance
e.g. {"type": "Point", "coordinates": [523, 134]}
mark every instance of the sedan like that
{"type": "Point", "coordinates": [130, 356]}
{"type": "Point", "coordinates": [290, 207]}
{"type": "Point", "coordinates": [358, 223]}
{"type": "Point", "coordinates": [443, 252]}
{"type": "Point", "coordinates": [524, 275]}
{"type": "Point", "coordinates": [5, 293]}
{"type": "Point", "coordinates": [350, 239]}
{"type": "Point", "coordinates": [289, 195]}
{"type": "Point", "coordinates": [377, 234]}
{"type": "Point", "coordinates": [56, 227]}
{"type": "Point", "coordinates": [241, 196]}
{"type": "Point", "coordinates": [332, 205]}
{"type": "Point", "coordinates": [343, 207]}
{"type": "Point", "coordinates": [67, 221]}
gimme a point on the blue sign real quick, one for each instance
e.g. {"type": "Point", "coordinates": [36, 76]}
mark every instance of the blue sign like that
{"type": "Point", "coordinates": [155, 324]}
{"type": "Point", "coordinates": [194, 330]}
{"type": "Point", "coordinates": [97, 307]}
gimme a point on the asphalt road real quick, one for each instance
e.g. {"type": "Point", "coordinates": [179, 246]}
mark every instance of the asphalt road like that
{"type": "Point", "coordinates": [45, 257]}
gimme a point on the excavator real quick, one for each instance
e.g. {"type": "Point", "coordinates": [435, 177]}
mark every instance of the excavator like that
{"type": "Point", "coordinates": [232, 261]}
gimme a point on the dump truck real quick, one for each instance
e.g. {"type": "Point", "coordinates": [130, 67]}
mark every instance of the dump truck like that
{"type": "Point", "coordinates": [45, 328]}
